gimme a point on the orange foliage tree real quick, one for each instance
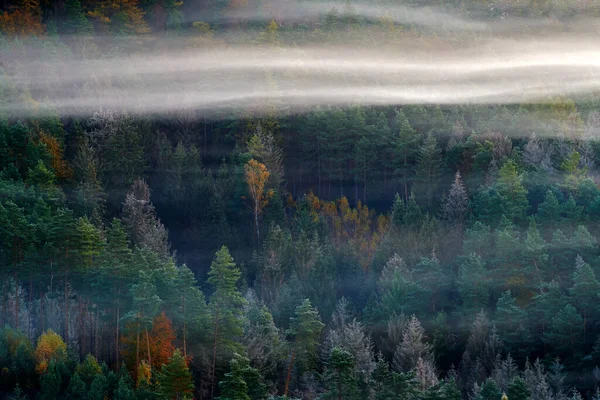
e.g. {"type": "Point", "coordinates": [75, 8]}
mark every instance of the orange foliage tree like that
{"type": "Point", "coordinates": [59, 164]}
{"type": "Point", "coordinates": [50, 346]}
{"type": "Point", "coordinates": [25, 19]}
{"type": "Point", "coordinates": [162, 337]}
{"type": "Point", "coordinates": [257, 176]}
{"type": "Point", "coordinates": [160, 342]}
{"type": "Point", "coordinates": [358, 227]}
{"type": "Point", "coordinates": [123, 16]}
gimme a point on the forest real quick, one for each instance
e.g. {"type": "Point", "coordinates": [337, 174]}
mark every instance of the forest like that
{"type": "Point", "coordinates": [269, 250]}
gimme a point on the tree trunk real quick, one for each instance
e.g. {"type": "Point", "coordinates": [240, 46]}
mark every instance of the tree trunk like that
{"type": "Point", "coordinates": [96, 327]}
{"type": "Point", "coordinates": [289, 374]}
{"type": "Point", "coordinates": [137, 350]}
{"type": "Point", "coordinates": [256, 224]}
{"type": "Point", "coordinates": [3, 302]}
{"type": "Point", "coordinates": [184, 330]}
{"type": "Point", "coordinates": [148, 348]}
{"type": "Point", "coordinates": [66, 333]}
{"type": "Point", "coordinates": [117, 335]}
{"type": "Point", "coordinates": [16, 279]}
{"type": "Point", "coordinates": [214, 361]}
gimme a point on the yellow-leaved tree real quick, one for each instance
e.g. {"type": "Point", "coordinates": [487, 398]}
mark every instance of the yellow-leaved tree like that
{"type": "Point", "coordinates": [257, 176]}
{"type": "Point", "coordinates": [50, 347]}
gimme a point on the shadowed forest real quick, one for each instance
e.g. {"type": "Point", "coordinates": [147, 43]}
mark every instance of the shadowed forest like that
{"type": "Point", "coordinates": [268, 249]}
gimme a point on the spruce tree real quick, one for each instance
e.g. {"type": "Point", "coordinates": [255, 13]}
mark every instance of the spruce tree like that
{"type": "Point", "coordinates": [585, 291]}
{"type": "Point", "coordinates": [242, 382]}
{"type": "Point", "coordinates": [226, 306]}
{"type": "Point", "coordinates": [175, 380]}
{"type": "Point", "coordinates": [305, 328]}
{"type": "Point", "coordinates": [428, 167]}
{"type": "Point", "coordinates": [512, 192]}
{"type": "Point", "coordinates": [339, 378]}
{"type": "Point", "coordinates": [456, 204]}
{"type": "Point", "coordinates": [565, 334]}
{"type": "Point", "coordinates": [75, 22]}
{"type": "Point", "coordinates": [405, 150]}
{"type": "Point", "coordinates": [472, 284]}
{"type": "Point", "coordinates": [549, 211]}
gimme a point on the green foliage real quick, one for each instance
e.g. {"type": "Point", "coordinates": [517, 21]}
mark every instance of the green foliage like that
{"type": "Point", "coordinates": [305, 328]}
{"type": "Point", "coordinates": [242, 382]}
{"type": "Point", "coordinates": [174, 379]}
{"type": "Point", "coordinates": [511, 191]}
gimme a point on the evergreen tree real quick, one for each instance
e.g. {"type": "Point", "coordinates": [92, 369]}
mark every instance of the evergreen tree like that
{"type": "Point", "coordinates": [339, 378]}
{"type": "Point", "coordinates": [412, 348]}
{"type": "Point", "coordinates": [511, 191]}
{"type": "Point", "coordinates": [226, 305]}
{"type": "Point", "coordinates": [511, 323]}
{"type": "Point", "coordinates": [549, 211]}
{"type": "Point", "coordinates": [75, 22]}
{"type": "Point", "coordinates": [566, 333]}
{"type": "Point", "coordinates": [124, 391]}
{"type": "Point", "coordinates": [405, 150]}
{"type": "Point", "coordinates": [517, 389]}
{"type": "Point", "coordinates": [488, 391]}
{"type": "Point", "coordinates": [242, 382]}
{"type": "Point", "coordinates": [585, 291]}
{"type": "Point", "coordinates": [456, 204]}
{"type": "Point", "coordinates": [428, 167]}
{"type": "Point", "coordinates": [175, 379]}
{"type": "Point", "coordinates": [305, 328]}
{"type": "Point", "coordinates": [472, 284]}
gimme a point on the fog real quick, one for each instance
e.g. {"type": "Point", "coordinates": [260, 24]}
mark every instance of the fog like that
{"type": "Point", "coordinates": [491, 68]}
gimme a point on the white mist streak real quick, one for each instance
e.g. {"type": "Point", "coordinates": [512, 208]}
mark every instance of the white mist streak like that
{"type": "Point", "coordinates": [294, 79]}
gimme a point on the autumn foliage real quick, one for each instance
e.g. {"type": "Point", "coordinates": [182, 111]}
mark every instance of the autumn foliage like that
{"type": "Point", "coordinates": [162, 337]}
{"type": "Point", "coordinates": [359, 227]}
{"type": "Point", "coordinates": [257, 176]}
{"type": "Point", "coordinates": [23, 20]}
{"type": "Point", "coordinates": [59, 164]}
{"type": "Point", "coordinates": [50, 346]}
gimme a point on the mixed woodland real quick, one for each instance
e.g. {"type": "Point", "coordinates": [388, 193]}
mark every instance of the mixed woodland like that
{"type": "Point", "coordinates": [355, 252]}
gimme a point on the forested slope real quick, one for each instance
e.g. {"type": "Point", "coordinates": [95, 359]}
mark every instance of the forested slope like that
{"type": "Point", "coordinates": [344, 251]}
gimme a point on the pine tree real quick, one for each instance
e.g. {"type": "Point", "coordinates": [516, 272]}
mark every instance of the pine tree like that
{"type": "Point", "coordinates": [510, 320]}
{"type": "Point", "coordinates": [511, 191]}
{"type": "Point", "coordinates": [535, 248]}
{"type": "Point", "coordinates": [566, 333]}
{"type": "Point", "coordinates": [397, 216]}
{"type": "Point", "coordinates": [175, 380]}
{"type": "Point", "coordinates": [472, 284]}
{"type": "Point", "coordinates": [413, 216]}
{"type": "Point", "coordinates": [455, 206]}
{"type": "Point", "coordinates": [339, 378]}
{"type": "Point", "coordinates": [75, 22]}
{"type": "Point", "coordinates": [142, 224]}
{"type": "Point", "coordinates": [517, 389]}
{"type": "Point", "coordinates": [124, 391]}
{"type": "Point", "coordinates": [226, 305]}
{"type": "Point", "coordinates": [413, 347]}
{"type": "Point", "coordinates": [146, 304]}
{"type": "Point", "coordinates": [305, 328]}
{"type": "Point", "coordinates": [189, 310]}
{"type": "Point", "coordinates": [549, 211]}
{"type": "Point", "coordinates": [585, 291]}
{"type": "Point", "coordinates": [488, 391]}
{"type": "Point", "coordinates": [405, 149]}
{"type": "Point", "coordinates": [76, 389]}
{"type": "Point", "coordinates": [242, 382]}
{"type": "Point", "coordinates": [428, 167]}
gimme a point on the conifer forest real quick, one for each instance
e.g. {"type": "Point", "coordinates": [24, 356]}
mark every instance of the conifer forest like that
{"type": "Point", "coordinates": [299, 199]}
